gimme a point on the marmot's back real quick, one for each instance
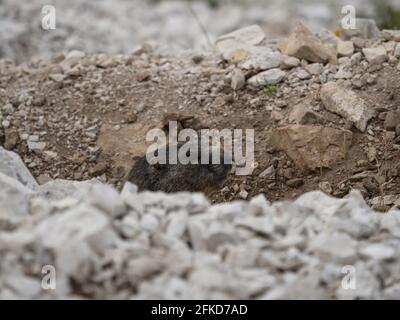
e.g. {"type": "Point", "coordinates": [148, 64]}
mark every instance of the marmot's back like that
{"type": "Point", "coordinates": [177, 177]}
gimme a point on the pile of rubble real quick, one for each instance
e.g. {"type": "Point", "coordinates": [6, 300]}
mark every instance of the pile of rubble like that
{"type": "Point", "coordinates": [322, 58]}
{"type": "Point", "coordinates": [105, 244]}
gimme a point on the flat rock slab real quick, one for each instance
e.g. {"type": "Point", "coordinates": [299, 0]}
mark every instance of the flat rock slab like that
{"type": "Point", "coordinates": [123, 145]}
{"type": "Point", "coordinates": [312, 147]}
{"type": "Point", "coordinates": [347, 104]}
{"type": "Point", "coordinates": [58, 189]}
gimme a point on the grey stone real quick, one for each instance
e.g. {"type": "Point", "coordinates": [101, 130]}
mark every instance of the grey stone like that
{"type": "Point", "coordinates": [392, 292]}
{"type": "Point", "coordinates": [272, 76]}
{"type": "Point", "coordinates": [268, 173]}
{"type": "Point", "coordinates": [12, 166]}
{"type": "Point", "coordinates": [59, 188]}
{"type": "Point", "coordinates": [261, 58]}
{"type": "Point", "coordinates": [37, 147]}
{"type": "Point", "coordinates": [233, 46]}
{"type": "Point", "coordinates": [105, 198]}
{"type": "Point", "coordinates": [315, 68]}
{"type": "Point", "coordinates": [356, 57]}
{"type": "Point", "coordinates": [345, 48]}
{"type": "Point", "coordinates": [14, 202]}
{"type": "Point", "coordinates": [303, 44]}
{"type": "Point", "coordinates": [24, 287]}
{"type": "Point", "coordinates": [289, 62]}
{"type": "Point", "coordinates": [378, 251]}
{"type": "Point", "coordinates": [337, 247]}
{"type": "Point", "coordinates": [347, 104]}
{"type": "Point", "coordinates": [303, 74]}
{"type": "Point", "coordinates": [77, 236]}
{"type": "Point", "coordinates": [376, 55]}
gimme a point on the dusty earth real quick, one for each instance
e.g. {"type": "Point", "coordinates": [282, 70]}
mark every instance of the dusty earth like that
{"type": "Point", "coordinates": [93, 120]}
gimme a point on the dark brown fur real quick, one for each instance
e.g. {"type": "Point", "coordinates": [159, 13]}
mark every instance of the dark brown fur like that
{"type": "Point", "coordinates": [177, 177]}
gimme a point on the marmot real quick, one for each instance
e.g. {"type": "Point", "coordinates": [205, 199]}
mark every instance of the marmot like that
{"type": "Point", "coordinates": [178, 177]}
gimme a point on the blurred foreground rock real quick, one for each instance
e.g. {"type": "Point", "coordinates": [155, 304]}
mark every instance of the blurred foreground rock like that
{"type": "Point", "coordinates": [105, 244]}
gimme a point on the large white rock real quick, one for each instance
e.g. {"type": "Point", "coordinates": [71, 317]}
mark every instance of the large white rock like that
{"type": "Point", "coordinates": [376, 55]}
{"type": "Point", "coordinates": [59, 188]}
{"type": "Point", "coordinates": [391, 222]}
{"type": "Point", "coordinates": [24, 287]}
{"type": "Point", "coordinates": [14, 202]}
{"type": "Point", "coordinates": [230, 44]}
{"type": "Point", "coordinates": [105, 198]}
{"type": "Point", "coordinates": [12, 166]}
{"type": "Point", "coordinates": [378, 251]}
{"type": "Point", "coordinates": [76, 236]}
{"type": "Point", "coordinates": [261, 58]}
{"type": "Point", "coordinates": [337, 247]}
{"type": "Point", "coordinates": [347, 104]}
{"type": "Point", "coordinates": [179, 246]}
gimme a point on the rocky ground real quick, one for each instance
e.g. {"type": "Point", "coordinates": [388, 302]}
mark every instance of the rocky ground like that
{"type": "Point", "coordinates": [325, 110]}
